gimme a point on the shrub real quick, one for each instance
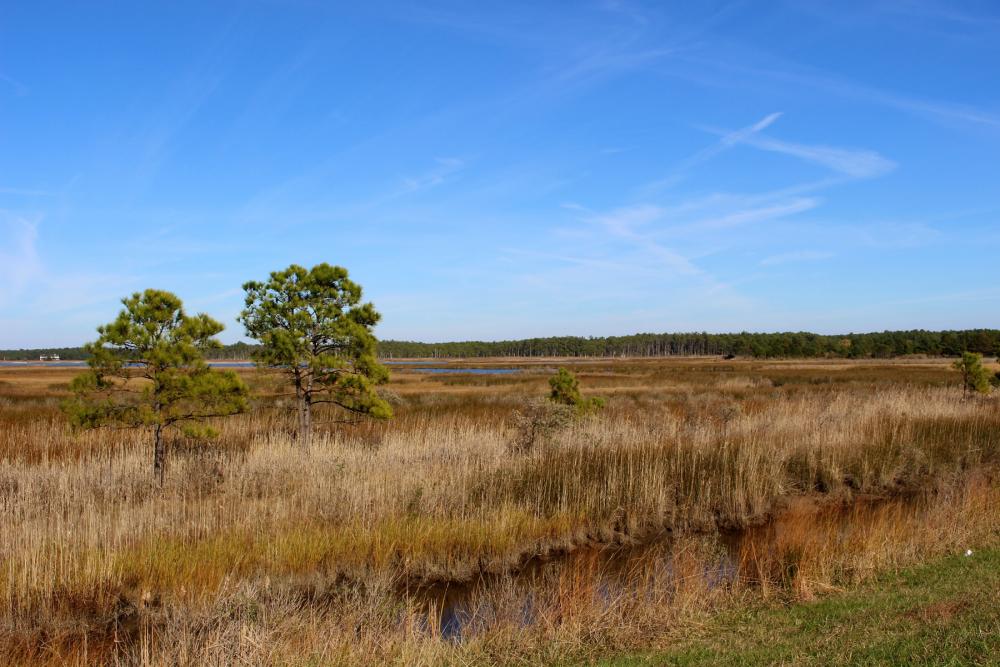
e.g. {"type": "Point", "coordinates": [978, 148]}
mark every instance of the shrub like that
{"type": "Point", "coordinates": [565, 390]}
{"type": "Point", "coordinates": [975, 377]}
{"type": "Point", "coordinates": [537, 422]}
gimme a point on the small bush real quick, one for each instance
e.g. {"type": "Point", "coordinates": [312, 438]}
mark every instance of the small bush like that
{"type": "Point", "coordinates": [975, 377]}
{"type": "Point", "coordinates": [565, 390]}
{"type": "Point", "coordinates": [537, 422]}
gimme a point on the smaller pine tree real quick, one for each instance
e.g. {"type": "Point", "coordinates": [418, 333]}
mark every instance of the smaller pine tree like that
{"type": "Point", "coordinates": [975, 377]}
{"type": "Point", "coordinates": [565, 390]}
{"type": "Point", "coordinates": [148, 372]}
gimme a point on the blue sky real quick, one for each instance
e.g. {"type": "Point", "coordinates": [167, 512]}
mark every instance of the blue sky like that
{"type": "Point", "coordinates": [505, 170]}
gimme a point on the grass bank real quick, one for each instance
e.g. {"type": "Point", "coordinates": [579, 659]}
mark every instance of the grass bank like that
{"type": "Point", "coordinates": [946, 612]}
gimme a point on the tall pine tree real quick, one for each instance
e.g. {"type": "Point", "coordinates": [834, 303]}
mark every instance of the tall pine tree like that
{"type": "Point", "coordinates": [314, 330]}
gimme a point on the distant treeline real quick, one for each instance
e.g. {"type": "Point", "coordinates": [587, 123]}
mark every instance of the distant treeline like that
{"type": "Point", "coordinates": [236, 351]}
{"type": "Point", "coordinates": [882, 345]}
{"type": "Point", "coordinates": [763, 345]}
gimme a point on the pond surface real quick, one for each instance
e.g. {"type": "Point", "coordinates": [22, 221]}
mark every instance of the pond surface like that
{"type": "Point", "coordinates": [80, 364]}
{"type": "Point", "coordinates": [468, 371]}
{"type": "Point", "coordinates": [40, 364]}
{"type": "Point", "coordinates": [425, 366]}
{"type": "Point", "coordinates": [249, 364]}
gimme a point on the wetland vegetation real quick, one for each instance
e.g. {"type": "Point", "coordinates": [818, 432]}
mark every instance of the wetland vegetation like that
{"type": "Point", "coordinates": [702, 486]}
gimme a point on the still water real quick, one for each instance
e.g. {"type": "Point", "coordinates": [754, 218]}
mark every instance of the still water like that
{"type": "Point", "coordinates": [250, 364]}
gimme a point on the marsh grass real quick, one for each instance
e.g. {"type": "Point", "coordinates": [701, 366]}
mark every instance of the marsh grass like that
{"type": "Point", "coordinates": [253, 551]}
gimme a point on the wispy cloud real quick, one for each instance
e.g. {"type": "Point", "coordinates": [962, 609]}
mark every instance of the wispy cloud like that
{"type": "Point", "coordinates": [598, 263]}
{"type": "Point", "coordinates": [856, 163]}
{"type": "Point", "coordinates": [605, 62]}
{"type": "Point", "coordinates": [796, 256]}
{"type": "Point", "coordinates": [26, 192]}
{"type": "Point", "coordinates": [851, 162]}
{"type": "Point", "coordinates": [31, 289]}
{"type": "Point", "coordinates": [444, 168]}
{"type": "Point", "coordinates": [725, 142]}
{"type": "Point", "coordinates": [947, 111]}
{"type": "Point", "coordinates": [894, 234]}
{"type": "Point", "coordinates": [19, 88]}
{"type": "Point", "coordinates": [624, 223]}
{"type": "Point", "coordinates": [627, 9]}
{"type": "Point", "coordinates": [931, 13]}
{"type": "Point", "coordinates": [943, 111]}
{"type": "Point", "coordinates": [673, 240]}
{"type": "Point", "coordinates": [19, 262]}
{"type": "Point", "coordinates": [760, 214]}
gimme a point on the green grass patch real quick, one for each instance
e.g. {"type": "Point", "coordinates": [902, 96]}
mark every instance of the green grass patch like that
{"type": "Point", "coordinates": [943, 613]}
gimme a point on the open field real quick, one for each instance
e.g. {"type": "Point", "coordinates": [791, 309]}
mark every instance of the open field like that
{"type": "Point", "coordinates": [704, 485]}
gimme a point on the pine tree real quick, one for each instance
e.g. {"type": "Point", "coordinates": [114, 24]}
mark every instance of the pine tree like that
{"type": "Point", "coordinates": [148, 371]}
{"type": "Point", "coordinates": [313, 328]}
{"type": "Point", "coordinates": [565, 390]}
{"type": "Point", "coordinates": [975, 377]}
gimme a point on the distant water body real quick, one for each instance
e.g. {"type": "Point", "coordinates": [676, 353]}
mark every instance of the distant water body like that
{"type": "Point", "coordinates": [80, 364]}
{"type": "Point", "coordinates": [468, 371]}
{"type": "Point", "coordinates": [250, 364]}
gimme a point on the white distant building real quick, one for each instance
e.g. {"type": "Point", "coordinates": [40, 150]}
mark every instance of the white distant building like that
{"type": "Point", "coordinates": [48, 357]}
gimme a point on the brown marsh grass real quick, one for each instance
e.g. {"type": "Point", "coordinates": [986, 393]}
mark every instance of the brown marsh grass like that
{"type": "Point", "coordinates": [255, 552]}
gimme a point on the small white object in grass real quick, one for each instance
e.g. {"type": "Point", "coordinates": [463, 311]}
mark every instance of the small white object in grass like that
{"type": "Point", "coordinates": [968, 552]}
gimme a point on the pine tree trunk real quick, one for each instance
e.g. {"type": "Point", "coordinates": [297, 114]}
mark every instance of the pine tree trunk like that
{"type": "Point", "coordinates": [305, 422]}
{"type": "Point", "coordinates": [307, 426]}
{"type": "Point", "coordinates": [159, 454]}
{"type": "Point", "coordinates": [303, 400]}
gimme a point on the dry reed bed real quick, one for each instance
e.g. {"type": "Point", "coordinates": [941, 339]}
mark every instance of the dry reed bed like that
{"type": "Point", "coordinates": [248, 546]}
{"type": "Point", "coordinates": [445, 498]}
{"type": "Point", "coordinates": [571, 611]}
